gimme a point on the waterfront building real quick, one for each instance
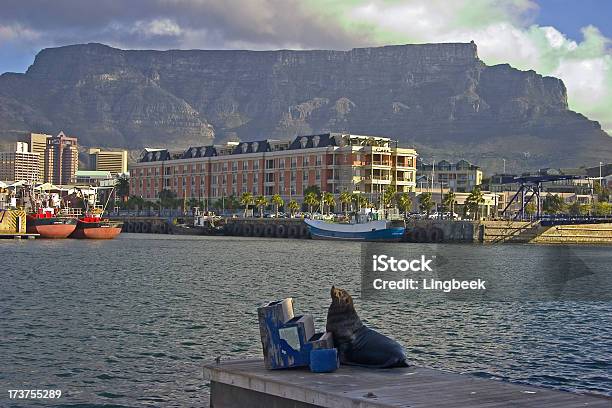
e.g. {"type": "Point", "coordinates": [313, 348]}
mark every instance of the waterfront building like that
{"type": "Point", "coordinates": [333, 162]}
{"type": "Point", "coordinates": [93, 177]}
{"type": "Point", "coordinates": [460, 177]}
{"type": "Point", "coordinates": [38, 144]}
{"type": "Point", "coordinates": [19, 164]}
{"type": "Point", "coordinates": [105, 160]}
{"type": "Point", "coordinates": [61, 159]}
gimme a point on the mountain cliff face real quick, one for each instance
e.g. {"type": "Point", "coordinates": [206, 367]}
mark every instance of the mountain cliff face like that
{"type": "Point", "coordinates": [439, 97]}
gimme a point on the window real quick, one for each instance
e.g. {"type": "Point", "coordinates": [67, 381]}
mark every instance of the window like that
{"type": "Point", "coordinates": [293, 162]}
{"type": "Point", "coordinates": [281, 163]}
{"type": "Point", "coordinates": [269, 177]}
{"type": "Point", "coordinates": [319, 160]}
{"type": "Point", "coordinates": [255, 164]}
{"type": "Point", "coordinates": [305, 176]}
{"type": "Point", "coordinates": [245, 165]}
{"type": "Point", "coordinates": [318, 175]}
{"type": "Point", "coordinates": [270, 164]}
{"type": "Point", "coordinates": [244, 178]}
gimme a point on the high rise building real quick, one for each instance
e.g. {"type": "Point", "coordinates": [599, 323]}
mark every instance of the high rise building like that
{"type": "Point", "coordinates": [38, 144]}
{"type": "Point", "coordinates": [105, 160]}
{"type": "Point", "coordinates": [61, 159]}
{"type": "Point", "coordinates": [19, 164]}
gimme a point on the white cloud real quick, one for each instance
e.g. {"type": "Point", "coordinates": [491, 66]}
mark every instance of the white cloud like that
{"type": "Point", "coordinates": [498, 27]}
{"type": "Point", "coordinates": [11, 33]}
{"type": "Point", "coordinates": [157, 27]}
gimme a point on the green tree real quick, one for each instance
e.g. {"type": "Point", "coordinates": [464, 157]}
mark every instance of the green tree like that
{"type": "Point", "coordinates": [311, 199]}
{"type": "Point", "coordinates": [313, 189]}
{"type": "Point", "coordinates": [246, 199]}
{"type": "Point", "coordinates": [576, 208]}
{"type": "Point", "coordinates": [553, 204]}
{"type": "Point", "coordinates": [603, 193]}
{"type": "Point", "coordinates": [293, 207]}
{"type": "Point", "coordinates": [329, 201]}
{"type": "Point", "coordinates": [361, 201]}
{"type": "Point", "coordinates": [278, 201]}
{"type": "Point", "coordinates": [232, 202]}
{"type": "Point", "coordinates": [168, 199]}
{"type": "Point", "coordinates": [388, 195]}
{"type": "Point", "coordinates": [473, 202]}
{"type": "Point", "coordinates": [448, 203]}
{"type": "Point", "coordinates": [405, 202]}
{"type": "Point", "coordinates": [346, 199]}
{"type": "Point", "coordinates": [426, 203]}
{"type": "Point", "coordinates": [122, 187]}
{"type": "Point", "coordinates": [602, 208]}
{"type": "Point", "coordinates": [261, 203]}
{"type": "Point", "coordinates": [530, 209]}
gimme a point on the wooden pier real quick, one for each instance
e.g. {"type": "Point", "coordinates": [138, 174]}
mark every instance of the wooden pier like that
{"type": "Point", "coordinates": [246, 383]}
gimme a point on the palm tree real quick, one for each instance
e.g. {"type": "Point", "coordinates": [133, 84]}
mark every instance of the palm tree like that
{"type": "Point", "coordinates": [474, 200]}
{"type": "Point", "coordinates": [345, 200]}
{"type": "Point", "coordinates": [246, 199]}
{"type": "Point", "coordinates": [449, 202]}
{"type": "Point", "coordinates": [123, 187]}
{"type": "Point", "coordinates": [405, 202]}
{"type": "Point", "coordinates": [426, 203]}
{"type": "Point", "coordinates": [278, 201]}
{"type": "Point", "coordinates": [293, 207]}
{"type": "Point", "coordinates": [261, 202]}
{"type": "Point", "coordinates": [311, 199]}
{"type": "Point", "coordinates": [329, 201]}
{"type": "Point", "coordinates": [387, 197]}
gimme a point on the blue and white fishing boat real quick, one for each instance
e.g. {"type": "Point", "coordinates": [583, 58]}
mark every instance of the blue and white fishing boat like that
{"type": "Point", "coordinates": [362, 229]}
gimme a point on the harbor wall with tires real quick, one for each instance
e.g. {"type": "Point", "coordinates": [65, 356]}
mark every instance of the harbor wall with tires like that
{"type": "Point", "coordinates": [267, 227]}
{"type": "Point", "coordinates": [417, 231]}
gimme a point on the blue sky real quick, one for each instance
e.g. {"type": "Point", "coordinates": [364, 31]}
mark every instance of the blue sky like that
{"type": "Point", "coordinates": [569, 16]}
{"type": "Point", "coordinates": [569, 39]}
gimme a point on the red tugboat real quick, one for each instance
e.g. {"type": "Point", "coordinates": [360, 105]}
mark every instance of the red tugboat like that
{"type": "Point", "coordinates": [46, 223]}
{"type": "Point", "coordinates": [93, 226]}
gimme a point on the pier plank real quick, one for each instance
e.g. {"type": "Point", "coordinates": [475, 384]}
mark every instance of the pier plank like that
{"type": "Point", "coordinates": [350, 387]}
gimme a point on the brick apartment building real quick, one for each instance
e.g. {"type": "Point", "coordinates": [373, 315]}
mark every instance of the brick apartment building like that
{"type": "Point", "coordinates": [334, 162]}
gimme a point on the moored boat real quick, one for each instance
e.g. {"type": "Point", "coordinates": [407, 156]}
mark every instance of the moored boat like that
{"type": "Point", "coordinates": [95, 227]}
{"type": "Point", "coordinates": [379, 230]}
{"type": "Point", "coordinates": [49, 225]}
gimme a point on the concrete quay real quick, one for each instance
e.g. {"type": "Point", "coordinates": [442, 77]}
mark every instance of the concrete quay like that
{"type": "Point", "coordinates": [417, 231]}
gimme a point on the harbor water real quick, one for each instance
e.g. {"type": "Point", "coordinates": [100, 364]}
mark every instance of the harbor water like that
{"type": "Point", "coordinates": [129, 322]}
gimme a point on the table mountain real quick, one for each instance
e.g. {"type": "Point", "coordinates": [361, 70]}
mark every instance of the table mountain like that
{"type": "Point", "coordinates": [440, 98]}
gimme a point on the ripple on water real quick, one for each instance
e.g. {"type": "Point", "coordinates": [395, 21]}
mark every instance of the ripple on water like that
{"type": "Point", "coordinates": [128, 322]}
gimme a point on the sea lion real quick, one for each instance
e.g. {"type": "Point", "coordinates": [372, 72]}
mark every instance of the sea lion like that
{"type": "Point", "coordinates": [357, 344]}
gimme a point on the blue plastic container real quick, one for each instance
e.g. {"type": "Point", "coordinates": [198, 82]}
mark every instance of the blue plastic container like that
{"type": "Point", "coordinates": [324, 360]}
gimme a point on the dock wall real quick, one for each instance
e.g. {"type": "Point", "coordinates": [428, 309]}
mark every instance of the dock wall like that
{"type": "Point", "coordinates": [417, 231]}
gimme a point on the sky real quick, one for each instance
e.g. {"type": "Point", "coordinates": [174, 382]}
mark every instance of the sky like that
{"type": "Point", "coordinates": [569, 39]}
